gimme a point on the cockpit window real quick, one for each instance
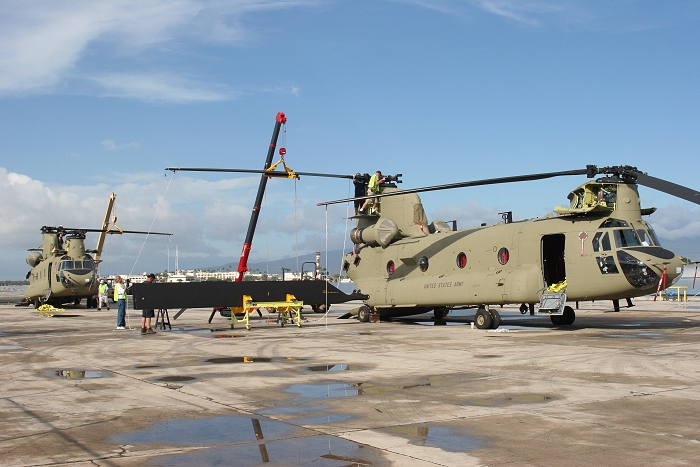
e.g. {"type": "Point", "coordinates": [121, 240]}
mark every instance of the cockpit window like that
{"type": "Point", "coordinates": [645, 237]}
{"type": "Point", "coordinates": [613, 223]}
{"type": "Point", "coordinates": [66, 265]}
{"type": "Point", "coordinates": [626, 237]}
{"type": "Point", "coordinates": [601, 242]}
{"type": "Point", "coordinates": [653, 236]}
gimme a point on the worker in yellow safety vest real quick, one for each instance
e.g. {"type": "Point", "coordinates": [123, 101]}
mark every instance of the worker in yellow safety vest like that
{"type": "Point", "coordinates": [120, 298]}
{"type": "Point", "coordinates": [372, 189]}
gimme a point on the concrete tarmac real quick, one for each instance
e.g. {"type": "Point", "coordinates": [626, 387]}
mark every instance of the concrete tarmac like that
{"type": "Point", "coordinates": [613, 389]}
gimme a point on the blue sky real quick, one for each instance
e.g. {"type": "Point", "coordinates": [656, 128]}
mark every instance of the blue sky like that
{"type": "Point", "coordinates": [98, 97]}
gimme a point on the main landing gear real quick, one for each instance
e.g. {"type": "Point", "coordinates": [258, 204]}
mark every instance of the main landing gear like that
{"type": "Point", "coordinates": [487, 319]}
{"type": "Point", "coordinates": [566, 318]}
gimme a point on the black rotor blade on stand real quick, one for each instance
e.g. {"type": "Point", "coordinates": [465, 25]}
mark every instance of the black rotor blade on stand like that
{"type": "Point", "coordinates": [491, 181]}
{"type": "Point", "coordinates": [670, 188]}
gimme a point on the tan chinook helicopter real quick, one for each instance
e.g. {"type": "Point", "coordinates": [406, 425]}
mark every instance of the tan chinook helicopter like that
{"type": "Point", "coordinates": [63, 271]}
{"type": "Point", "coordinates": [597, 248]}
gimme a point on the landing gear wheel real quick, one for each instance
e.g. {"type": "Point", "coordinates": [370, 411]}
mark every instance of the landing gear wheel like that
{"type": "Point", "coordinates": [557, 319]}
{"type": "Point", "coordinates": [569, 316]}
{"type": "Point", "coordinates": [440, 313]}
{"type": "Point", "coordinates": [319, 308]}
{"type": "Point", "coordinates": [495, 319]}
{"type": "Point", "coordinates": [37, 303]}
{"type": "Point", "coordinates": [363, 314]}
{"type": "Point", "coordinates": [524, 308]}
{"type": "Point", "coordinates": [483, 319]}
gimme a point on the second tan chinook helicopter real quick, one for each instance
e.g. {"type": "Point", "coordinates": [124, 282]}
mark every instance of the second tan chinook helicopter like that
{"type": "Point", "coordinates": [63, 270]}
{"type": "Point", "coordinates": [597, 248]}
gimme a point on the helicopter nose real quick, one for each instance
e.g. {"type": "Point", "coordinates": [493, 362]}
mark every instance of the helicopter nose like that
{"type": "Point", "coordinates": [644, 268]}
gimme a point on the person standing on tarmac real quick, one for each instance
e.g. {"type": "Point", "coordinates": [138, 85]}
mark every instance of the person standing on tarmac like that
{"type": "Point", "coordinates": [120, 298]}
{"type": "Point", "coordinates": [373, 189]}
{"type": "Point", "coordinates": [146, 315]}
{"type": "Point", "coordinates": [102, 295]}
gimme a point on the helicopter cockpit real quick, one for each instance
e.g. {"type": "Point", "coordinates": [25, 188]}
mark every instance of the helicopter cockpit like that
{"type": "Point", "coordinates": [83, 266]}
{"type": "Point", "coordinates": [622, 237]}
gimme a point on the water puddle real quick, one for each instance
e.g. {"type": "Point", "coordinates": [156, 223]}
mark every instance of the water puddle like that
{"type": "Point", "coordinates": [79, 374]}
{"type": "Point", "coordinates": [201, 331]}
{"type": "Point", "coordinates": [248, 441]}
{"type": "Point", "coordinates": [442, 437]}
{"type": "Point", "coordinates": [224, 360]}
{"type": "Point", "coordinates": [638, 335]}
{"type": "Point", "coordinates": [143, 367]}
{"type": "Point", "coordinates": [323, 419]}
{"type": "Point", "coordinates": [337, 389]}
{"type": "Point", "coordinates": [176, 379]}
{"type": "Point", "coordinates": [297, 409]}
{"type": "Point", "coordinates": [509, 400]}
{"type": "Point", "coordinates": [11, 347]}
{"type": "Point", "coordinates": [334, 367]}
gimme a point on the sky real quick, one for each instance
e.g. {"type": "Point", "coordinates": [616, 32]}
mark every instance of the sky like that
{"type": "Point", "coordinates": [101, 97]}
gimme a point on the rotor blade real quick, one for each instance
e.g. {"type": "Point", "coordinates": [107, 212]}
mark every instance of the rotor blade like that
{"type": "Point", "coordinates": [670, 188]}
{"type": "Point", "coordinates": [490, 181]}
{"type": "Point", "coordinates": [119, 232]}
{"type": "Point", "coordinates": [274, 173]}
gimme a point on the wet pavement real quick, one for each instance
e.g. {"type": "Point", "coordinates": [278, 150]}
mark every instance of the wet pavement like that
{"type": "Point", "coordinates": [617, 389]}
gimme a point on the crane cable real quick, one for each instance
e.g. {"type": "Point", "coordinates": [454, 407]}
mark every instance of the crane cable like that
{"type": "Point", "coordinates": [160, 205]}
{"type": "Point", "coordinates": [345, 239]}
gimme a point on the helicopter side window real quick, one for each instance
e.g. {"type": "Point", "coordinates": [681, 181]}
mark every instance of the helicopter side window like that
{"type": "Point", "coordinates": [626, 237]}
{"type": "Point", "coordinates": [461, 260]}
{"type": "Point", "coordinates": [613, 223]}
{"type": "Point", "coordinates": [390, 267]}
{"type": "Point", "coordinates": [601, 242]}
{"type": "Point", "coordinates": [607, 265]}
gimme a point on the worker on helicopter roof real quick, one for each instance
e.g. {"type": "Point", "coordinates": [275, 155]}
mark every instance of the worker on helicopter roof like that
{"type": "Point", "coordinates": [372, 189]}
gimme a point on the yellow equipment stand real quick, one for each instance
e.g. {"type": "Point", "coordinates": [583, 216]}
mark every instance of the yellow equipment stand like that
{"type": "Point", "coordinates": [289, 309]}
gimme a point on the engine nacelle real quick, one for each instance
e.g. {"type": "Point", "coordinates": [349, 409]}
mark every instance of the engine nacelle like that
{"type": "Point", "coordinates": [34, 258]}
{"type": "Point", "coordinates": [381, 233]}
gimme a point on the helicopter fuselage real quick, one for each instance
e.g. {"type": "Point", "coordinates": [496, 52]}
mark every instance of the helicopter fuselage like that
{"type": "Point", "coordinates": [60, 275]}
{"type": "Point", "coordinates": [604, 254]}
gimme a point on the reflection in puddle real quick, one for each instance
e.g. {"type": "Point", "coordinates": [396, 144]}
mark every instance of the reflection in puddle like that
{"type": "Point", "coordinates": [222, 360]}
{"type": "Point", "coordinates": [80, 374]}
{"type": "Point", "coordinates": [445, 438]}
{"type": "Point", "coordinates": [176, 379]}
{"type": "Point", "coordinates": [336, 389]}
{"type": "Point", "coordinates": [316, 391]}
{"type": "Point", "coordinates": [291, 410]}
{"type": "Point", "coordinates": [508, 400]}
{"type": "Point", "coordinates": [323, 419]}
{"type": "Point", "coordinates": [638, 335]}
{"type": "Point", "coordinates": [11, 347]}
{"type": "Point", "coordinates": [248, 441]}
{"type": "Point", "coordinates": [336, 367]}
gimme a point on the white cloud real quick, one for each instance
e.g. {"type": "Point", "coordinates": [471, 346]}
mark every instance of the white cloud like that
{"type": "Point", "coordinates": [43, 42]}
{"type": "Point", "coordinates": [208, 218]}
{"type": "Point", "coordinates": [158, 87]}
